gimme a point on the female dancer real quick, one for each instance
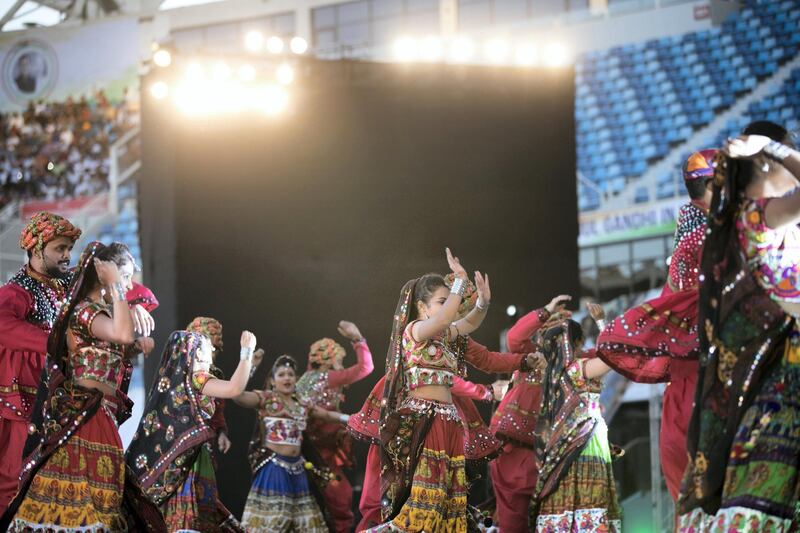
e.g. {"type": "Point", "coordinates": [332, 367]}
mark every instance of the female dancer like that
{"type": "Point", "coordinates": [575, 490]}
{"type": "Point", "coordinates": [514, 472]}
{"type": "Point", "coordinates": [171, 450]}
{"type": "Point", "coordinates": [744, 442]}
{"type": "Point", "coordinates": [323, 385]}
{"type": "Point", "coordinates": [422, 438]}
{"type": "Point", "coordinates": [76, 479]}
{"type": "Point", "coordinates": [282, 497]}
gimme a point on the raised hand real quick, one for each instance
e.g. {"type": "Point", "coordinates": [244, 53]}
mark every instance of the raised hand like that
{"type": "Point", "coordinates": [143, 322]}
{"type": "Point", "coordinates": [596, 311]}
{"type": "Point", "coordinates": [482, 286]}
{"type": "Point", "coordinates": [258, 356]}
{"type": "Point", "coordinates": [455, 265]}
{"type": "Point", "coordinates": [746, 146]}
{"type": "Point", "coordinates": [349, 330]}
{"type": "Point", "coordinates": [558, 303]}
{"type": "Point", "coordinates": [536, 361]}
{"type": "Point", "coordinates": [248, 340]}
{"type": "Point", "coordinates": [107, 272]}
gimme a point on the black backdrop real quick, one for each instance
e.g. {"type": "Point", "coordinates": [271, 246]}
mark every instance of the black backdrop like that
{"type": "Point", "coordinates": [286, 225]}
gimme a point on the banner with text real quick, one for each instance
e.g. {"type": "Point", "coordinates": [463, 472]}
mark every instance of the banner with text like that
{"type": "Point", "coordinates": [645, 220]}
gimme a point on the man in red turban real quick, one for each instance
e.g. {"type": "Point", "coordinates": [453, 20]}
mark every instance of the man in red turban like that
{"type": "Point", "coordinates": [29, 305]}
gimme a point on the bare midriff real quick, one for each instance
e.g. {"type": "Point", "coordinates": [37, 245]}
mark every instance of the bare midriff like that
{"type": "Point", "coordinates": [288, 450]}
{"type": "Point", "coordinates": [105, 388]}
{"type": "Point", "coordinates": [439, 393]}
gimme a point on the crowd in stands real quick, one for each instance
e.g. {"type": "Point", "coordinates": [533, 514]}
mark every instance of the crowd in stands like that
{"type": "Point", "coordinates": [60, 150]}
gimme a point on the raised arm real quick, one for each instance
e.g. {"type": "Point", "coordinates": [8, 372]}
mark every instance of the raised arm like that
{"type": "Point", "coordinates": [519, 336]}
{"type": "Point", "coordinates": [363, 366]}
{"type": "Point", "coordinates": [474, 319]}
{"type": "Point", "coordinates": [435, 325]}
{"type": "Point", "coordinates": [221, 388]}
{"type": "Point", "coordinates": [248, 399]}
{"type": "Point", "coordinates": [119, 328]}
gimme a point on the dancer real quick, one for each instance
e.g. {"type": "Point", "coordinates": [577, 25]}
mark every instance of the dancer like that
{"type": "Point", "coordinates": [575, 489]}
{"type": "Point", "coordinates": [422, 438]}
{"type": "Point", "coordinates": [743, 440]}
{"type": "Point", "coordinates": [29, 305]}
{"type": "Point", "coordinates": [76, 478]}
{"type": "Point", "coordinates": [323, 385]}
{"type": "Point", "coordinates": [364, 426]}
{"type": "Point", "coordinates": [285, 494]}
{"type": "Point", "coordinates": [657, 341]}
{"type": "Point", "coordinates": [514, 472]}
{"type": "Point", "coordinates": [170, 452]}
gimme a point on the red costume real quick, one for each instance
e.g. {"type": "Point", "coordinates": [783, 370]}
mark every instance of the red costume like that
{"type": "Point", "coordinates": [657, 341]}
{"type": "Point", "coordinates": [514, 472]}
{"type": "Point", "coordinates": [478, 441]}
{"type": "Point", "coordinates": [324, 388]}
{"type": "Point", "coordinates": [29, 306]}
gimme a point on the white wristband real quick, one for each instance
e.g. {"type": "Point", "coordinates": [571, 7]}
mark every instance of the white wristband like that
{"type": "Point", "coordinates": [246, 353]}
{"type": "Point", "coordinates": [343, 418]}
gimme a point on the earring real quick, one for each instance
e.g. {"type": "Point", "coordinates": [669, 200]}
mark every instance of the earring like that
{"type": "Point", "coordinates": [103, 293]}
{"type": "Point", "coordinates": [765, 167]}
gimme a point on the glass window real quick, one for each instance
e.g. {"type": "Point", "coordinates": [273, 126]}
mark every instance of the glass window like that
{"type": "Point", "coordinates": [387, 8]}
{"type": "Point", "coordinates": [354, 33]}
{"type": "Point", "coordinates": [324, 38]}
{"type": "Point", "coordinates": [547, 8]}
{"type": "Point", "coordinates": [323, 17]}
{"type": "Point", "coordinates": [510, 11]}
{"type": "Point", "coordinates": [422, 5]}
{"type": "Point", "coordinates": [353, 12]}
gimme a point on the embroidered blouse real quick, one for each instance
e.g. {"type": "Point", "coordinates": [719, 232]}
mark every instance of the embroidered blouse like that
{"type": "Point", "coordinates": [431, 362]}
{"type": "Point", "coordinates": [93, 358]}
{"type": "Point", "coordinates": [282, 422]}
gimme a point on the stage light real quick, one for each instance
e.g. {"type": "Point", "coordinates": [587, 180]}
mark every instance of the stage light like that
{"type": "Point", "coordinates": [194, 72]}
{"type": "Point", "coordinates": [254, 41]}
{"type": "Point", "coordinates": [273, 99]}
{"type": "Point", "coordinates": [556, 55]}
{"type": "Point", "coordinates": [511, 310]}
{"type": "Point", "coordinates": [298, 45]}
{"type": "Point", "coordinates": [285, 74]}
{"type": "Point", "coordinates": [159, 90]}
{"type": "Point", "coordinates": [247, 73]}
{"type": "Point", "coordinates": [462, 50]}
{"type": "Point", "coordinates": [431, 49]}
{"type": "Point", "coordinates": [275, 45]}
{"type": "Point", "coordinates": [526, 55]}
{"type": "Point", "coordinates": [221, 72]}
{"type": "Point", "coordinates": [496, 50]}
{"type": "Point", "coordinates": [406, 49]}
{"type": "Point", "coordinates": [162, 58]}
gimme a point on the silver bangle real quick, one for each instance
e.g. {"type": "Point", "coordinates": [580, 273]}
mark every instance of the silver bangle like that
{"type": "Point", "coordinates": [120, 291]}
{"type": "Point", "coordinates": [777, 151]}
{"type": "Point", "coordinates": [480, 305]}
{"type": "Point", "coordinates": [458, 287]}
{"type": "Point", "coordinates": [246, 353]}
{"type": "Point", "coordinates": [343, 418]}
{"type": "Point", "coordinates": [601, 324]}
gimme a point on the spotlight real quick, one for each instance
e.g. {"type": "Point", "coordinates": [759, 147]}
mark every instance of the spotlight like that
{"type": "Point", "coordinates": [285, 74]}
{"type": "Point", "coordinates": [162, 58]}
{"type": "Point", "coordinates": [298, 45]}
{"type": "Point", "coordinates": [194, 71]}
{"type": "Point", "coordinates": [406, 49]}
{"type": "Point", "coordinates": [254, 41]}
{"type": "Point", "coordinates": [273, 99]}
{"type": "Point", "coordinates": [526, 55]}
{"type": "Point", "coordinates": [556, 55]}
{"type": "Point", "coordinates": [159, 90]}
{"type": "Point", "coordinates": [496, 50]}
{"type": "Point", "coordinates": [462, 50]}
{"type": "Point", "coordinates": [221, 72]}
{"type": "Point", "coordinates": [247, 73]}
{"type": "Point", "coordinates": [511, 310]}
{"type": "Point", "coordinates": [275, 45]}
{"type": "Point", "coordinates": [431, 49]}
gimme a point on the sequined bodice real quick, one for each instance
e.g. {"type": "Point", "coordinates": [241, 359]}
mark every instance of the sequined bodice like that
{"type": "Point", "coordinates": [690, 234]}
{"type": "Point", "coordinates": [584, 385]}
{"type": "Point", "coordinates": [772, 254]}
{"type": "Point", "coordinates": [92, 358]}
{"type": "Point", "coordinates": [204, 402]}
{"type": "Point", "coordinates": [47, 295]}
{"type": "Point", "coordinates": [314, 388]}
{"type": "Point", "coordinates": [431, 362]}
{"type": "Point", "coordinates": [282, 422]}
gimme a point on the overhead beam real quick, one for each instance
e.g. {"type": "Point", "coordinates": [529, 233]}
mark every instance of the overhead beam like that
{"type": "Point", "coordinates": [11, 12]}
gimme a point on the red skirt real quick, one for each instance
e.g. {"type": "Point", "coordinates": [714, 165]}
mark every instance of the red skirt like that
{"type": "Point", "coordinates": [81, 485]}
{"type": "Point", "coordinates": [675, 416]}
{"type": "Point", "coordinates": [642, 343]}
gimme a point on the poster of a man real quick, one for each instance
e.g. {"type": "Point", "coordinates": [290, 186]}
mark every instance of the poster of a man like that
{"type": "Point", "coordinates": [30, 68]}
